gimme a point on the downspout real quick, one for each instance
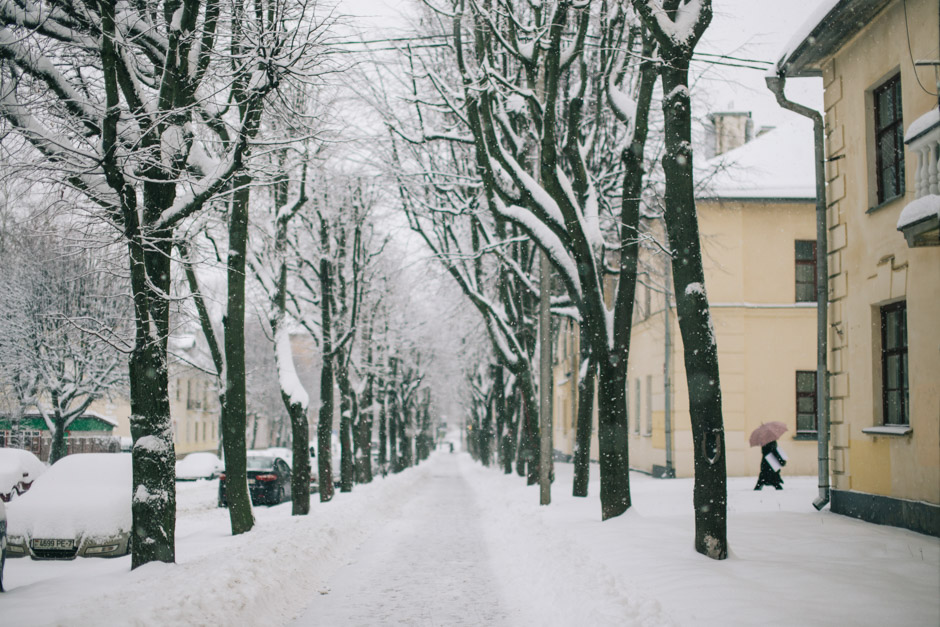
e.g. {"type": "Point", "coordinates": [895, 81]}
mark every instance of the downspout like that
{"type": "Point", "coordinates": [776, 84]}
{"type": "Point", "coordinates": [667, 375]}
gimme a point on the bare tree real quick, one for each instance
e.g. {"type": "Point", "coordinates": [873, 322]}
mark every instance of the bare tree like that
{"type": "Point", "coordinates": [62, 328]}
{"type": "Point", "coordinates": [678, 25]}
{"type": "Point", "coordinates": [149, 109]}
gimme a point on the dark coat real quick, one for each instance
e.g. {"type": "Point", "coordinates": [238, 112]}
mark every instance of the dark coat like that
{"type": "Point", "coordinates": [769, 476]}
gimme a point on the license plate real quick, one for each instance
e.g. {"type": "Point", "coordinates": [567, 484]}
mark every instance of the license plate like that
{"type": "Point", "coordinates": [251, 481]}
{"type": "Point", "coordinates": [48, 543]}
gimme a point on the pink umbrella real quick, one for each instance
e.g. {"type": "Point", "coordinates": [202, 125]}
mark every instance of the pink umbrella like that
{"type": "Point", "coordinates": [767, 432]}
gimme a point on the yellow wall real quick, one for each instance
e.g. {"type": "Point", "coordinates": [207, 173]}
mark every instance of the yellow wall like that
{"type": "Point", "coordinates": [763, 338]}
{"type": "Point", "coordinates": [195, 429]}
{"type": "Point", "coordinates": [871, 265]}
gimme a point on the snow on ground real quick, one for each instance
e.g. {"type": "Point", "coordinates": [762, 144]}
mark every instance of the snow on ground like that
{"type": "Point", "coordinates": [452, 543]}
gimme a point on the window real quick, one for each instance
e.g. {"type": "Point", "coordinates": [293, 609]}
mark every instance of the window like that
{"type": "Point", "coordinates": [636, 414]}
{"type": "Point", "coordinates": [806, 401]}
{"type": "Point", "coordinates": [649, 405]}
{"type": "Point", "coordinates": [895, 395]}
{"type": "Point", "coordinates": [636, 425]}
{"type": "Point", "coordinates": [889, 140]}
{"type": "Point", "coordinates": [805, 270]}
{"type": "Point", "coordinates": [193, 394]}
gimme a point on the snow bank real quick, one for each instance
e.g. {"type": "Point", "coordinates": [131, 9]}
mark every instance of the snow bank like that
{"type": "Point", "coordinates": [264, 577]}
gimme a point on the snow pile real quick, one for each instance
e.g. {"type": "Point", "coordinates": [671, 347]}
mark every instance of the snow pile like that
{"type": "Point", "coordinates": [14, 463]}
{"type": "Point", "coordinates": [81, 495]}
{"type": "Point", "coordinates": [920, 209]}
{"type": "Point", "coordinates": [922, 124]}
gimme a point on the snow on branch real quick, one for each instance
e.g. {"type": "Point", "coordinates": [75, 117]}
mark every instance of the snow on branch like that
{"type": "Point", "coordinates": [547, 240]}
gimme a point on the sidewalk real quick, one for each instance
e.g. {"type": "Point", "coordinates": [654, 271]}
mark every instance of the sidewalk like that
{"type": "Point", "coordinates": [789, 564]}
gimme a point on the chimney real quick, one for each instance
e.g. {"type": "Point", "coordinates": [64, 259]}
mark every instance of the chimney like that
{"type": "Point", "coordinates": [729, 130]}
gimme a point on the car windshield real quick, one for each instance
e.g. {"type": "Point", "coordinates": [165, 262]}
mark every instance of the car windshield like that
{"type": "Point", "coordinates": [260, 463]}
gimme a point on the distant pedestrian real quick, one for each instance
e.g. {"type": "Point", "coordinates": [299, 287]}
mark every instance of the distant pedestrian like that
{"type": "Point", "coordinates": [770, 464]}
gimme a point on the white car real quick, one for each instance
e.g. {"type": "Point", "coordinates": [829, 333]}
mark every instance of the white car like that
{"type": "Point", "coordinates": [199, 466]}
{"type": "Point", "coordinates": [81, 506]}
{"type": "Point", "coordinates": [18, 470]}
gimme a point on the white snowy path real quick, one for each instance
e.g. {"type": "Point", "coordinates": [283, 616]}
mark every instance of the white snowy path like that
{"type": "Point", "coordinates": [430, 566]}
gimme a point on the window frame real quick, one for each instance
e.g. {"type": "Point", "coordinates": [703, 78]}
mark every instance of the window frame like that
{"type": "Point", "coordinates": [797, 263]}
{"type": "Point", "coordinates": [900, 351]}
{"type": "Point", "coordinates": [894, 127]}
{"type": "Point", "coordinates": [804, 394]}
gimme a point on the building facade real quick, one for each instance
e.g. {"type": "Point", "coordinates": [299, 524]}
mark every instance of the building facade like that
{"type": "Point", "coordinates": [757, 223]}
{"type": "Point", "coordinates": [882, 145]}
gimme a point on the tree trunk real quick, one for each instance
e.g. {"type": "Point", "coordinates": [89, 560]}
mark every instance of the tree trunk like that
{"type": "Point", "coordinates": [346, 408]}
{"type": "Point", "coordinates": [300, 473]}
{"type": "Point", "coordinates": [363, 429]}
{"type": "Point", "coordinates": [529, 447]}
{"type": "Point", "coordinates": [585, 426]}
{"type": "Point", "coordinates": [153, 506]}
{"type": "Point", "coordinates": [234, 407]}
{"type": "Point", "coordinates": [486, 433]}
{"type": "Point", "coordinates": [613, 438]}
{"type": "Point", "coordinates": [325, 422]}
{"type": "Point", "coordinates": [698, 337]}
{"type": "Point", "coordinates": [405, 438]}
{"type": "Point", "coordinates": [59, 448]}
{"type": "Point", "coordinates": [383, 430]}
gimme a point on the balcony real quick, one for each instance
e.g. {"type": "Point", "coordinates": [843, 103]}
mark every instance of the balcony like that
{"type": "Point", "coordinates": [920, 219]}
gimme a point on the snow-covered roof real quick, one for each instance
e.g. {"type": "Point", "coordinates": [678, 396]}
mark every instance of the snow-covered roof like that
{"type": "Point", "coordinates": [826, 30]}
{"type": "Point", "coordinates": [778, 164]}
{"type": "Point", "coordinates": [85, 414]}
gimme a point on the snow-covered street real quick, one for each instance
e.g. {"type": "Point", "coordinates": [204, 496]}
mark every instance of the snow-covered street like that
{"type": "Point", "coordinates": [453, 543]}
{"type": "Point", "coordinates": [430, 566]}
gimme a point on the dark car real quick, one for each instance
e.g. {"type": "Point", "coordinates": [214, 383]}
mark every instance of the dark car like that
{"type": "Point", "coordinates": [3, 541]}
{"type": "Point", "coordinates": [268, 480]}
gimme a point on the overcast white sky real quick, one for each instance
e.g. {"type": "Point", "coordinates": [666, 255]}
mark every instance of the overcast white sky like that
{"type": "Point", "coordinates": [752, 29]}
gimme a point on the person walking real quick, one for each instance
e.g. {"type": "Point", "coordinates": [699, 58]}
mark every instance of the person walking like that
{"type": "Point", "coordinates": [770, 464]}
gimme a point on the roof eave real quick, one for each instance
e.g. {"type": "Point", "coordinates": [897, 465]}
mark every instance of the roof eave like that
{"type": "Point", "coordinates": [833, 31]}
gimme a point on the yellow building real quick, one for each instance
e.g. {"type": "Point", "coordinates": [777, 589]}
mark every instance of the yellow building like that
{"type": "Point", "coordinates": [884, 286]}
{"type": "Point", "coordinates": [194, 401]}
{"type": "Point", "coordinates": [757, 221]}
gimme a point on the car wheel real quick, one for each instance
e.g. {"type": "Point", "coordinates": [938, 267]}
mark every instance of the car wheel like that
{"type": "Point", "coordinates": [279, 497]}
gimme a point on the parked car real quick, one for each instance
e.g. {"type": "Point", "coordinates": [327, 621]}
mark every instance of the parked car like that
{"type": "Point", "coordinates": [18, 470]}
{"type": "Point", "coordinates": [198, 466]}
{"type": "Point", "coordinates": [288, 456]}
{"type": "Point", "coordinates": [3, 541]}
{"type": "Point", "coordinates": [81, 506]}
{"type": "Point", "coordinates": [268, 480]}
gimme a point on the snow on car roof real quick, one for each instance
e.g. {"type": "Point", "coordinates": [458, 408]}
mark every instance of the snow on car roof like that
{"type": "Point", "coordinates": [13, 463]}
{"type": "Point", "coordinates": [88, 493]}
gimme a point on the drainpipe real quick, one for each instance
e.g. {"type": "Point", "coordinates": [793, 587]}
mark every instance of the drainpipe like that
{"type": "Point", "coordinates": [667, 373]}
{"type": "Point", "coordinates": [776, 84]}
